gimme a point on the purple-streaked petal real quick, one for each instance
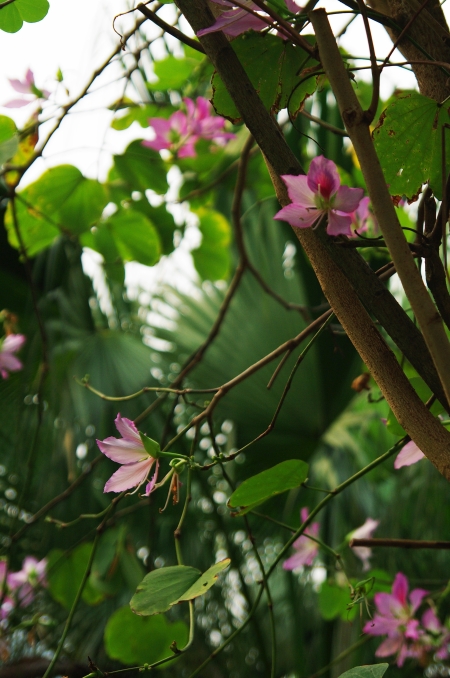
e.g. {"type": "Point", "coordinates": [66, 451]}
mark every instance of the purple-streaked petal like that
{"type": "Point", "coordinates": [13, 342]}
{"type": "Point", "coordinates": [161, 126]}
{"type": "Point", "coordinates": [416, 596]}
{"type": "Point", "coordinates": [410, 454]}
{"type": "Point", "coordinates": [122, 451]}
{"type": "Point", "coordinates": [299, 191]}
{"type": "Point", "coordinates": [382, 626]}
{"type": "Point", "coordinates": [338, 224]}
{"type": "Point", "coordinates": [400, 588]}
{"type": "Point", "coordinates": [388, 606]}
{"type": "Point", "coordinates": [297, 216]}
{"type": "Point", "coordinates": [187, 150]}
{"type": "Point", "coordinates": [128, 430]}
{"type": "Point", "coordinates": [128, 476]}
{"type": "Point", "coordinates": [151, 484]}
{"type": "Point", "coordinates": [347, 199]}
{"type": "Point", "coordinates": [323, 173]}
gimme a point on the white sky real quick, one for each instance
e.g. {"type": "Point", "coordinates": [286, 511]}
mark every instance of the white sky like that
{"type": "Point", "coordinates": [77, 37]}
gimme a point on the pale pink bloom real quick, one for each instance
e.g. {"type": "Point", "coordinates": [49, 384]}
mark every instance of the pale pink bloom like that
{"type": "Point", "coordinates": [8, 361]}
{"type": "Point", "coordinates": [305, 549]}
{"type": "Point", "coordinates": [131, 453]}
{"type": "Point", "coordinates": [436, 638]}
{"type": "Point", "coordinates": [26, 86]}
{"type": "Point", "coordinates": [362, 217]}
{"type": "Point", "coordinates": [320, 195]}
{"type": "Point", "coordinates": [237, 20]}
{"type": "Point", "coordinates": [395, 618]}
{"type": "Point", "coordinates": [364, 532]}
{"type": "Point", "coordinates": [181, 131]}
{"type": "Point", "coordinates": [28, 578]}
{"type": "Point", "coordinates": [408, 455]}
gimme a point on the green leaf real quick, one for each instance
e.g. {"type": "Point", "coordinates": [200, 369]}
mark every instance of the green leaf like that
{"type": "Point", "coordinates": [12, 16]}
{"type": "Point", "coordinates": [205, 582]}
{"type": "Point", "coordinates": [408, 142]}
{"type": "Point", "coordinates": [212, 258]}
{"type": "Point", "coordinates": [132, 639]}
{"type": "Point", "coordinates": [424, 394]}
{"type": "Point", "coordinates": [135, 236]}
{"type": "Point", "coordinates": [172, 73]}
{"type": "Point", "coordinates": [141, 168]}
{"type": "Point", "coordinates": [37, 233]}
{"type": "Point", "coordinates": [162, 220]}
{"type": "Point", "coordinates": [369, 671]}
{"type": "Point", "coordinates": [66, 573]}
{"type": "Point", "coordinates": [8, 149]}
{"type": "Point", "coordinates": [151, 446]}
{"type": "Point", "coordinates": [162, 588]}
{"type": "Point", "coordinates": [263, 486]}
{"type": "Point", "coordinates": [84, 206]}
{"type": "Point", "coordinates": [140, 114]}
{"type": "Point", "coordinates": [333, 601]}
{"type": "Point", "coordinates": [273, 68]}
{"type": "Point", "coordinates": [8, 127]}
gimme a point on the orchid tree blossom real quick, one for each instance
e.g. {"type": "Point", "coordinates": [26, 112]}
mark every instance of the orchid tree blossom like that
{"type": "Point", "coordinates": [28, 578]}
{"type": "Point", "coordinates": [319, 195]}
{"type": "Point", "coordinates": [395, 619]}
{"type": "Point", "coordinates": [363, 217]}
{"type": "Point", "coordinates": [131, 453]}
{"type": "Point", "coordinates": [8, 361]}
{"type": "Point", "coordinates": [408, 455]}
{"type": "Point", "coordinates": [28, 87]}
{"type": "Point", "coordinates": [237, 20]}
{"type": "Point", "coordinates": [181, 131]}
{"type": "Point", "coordinates": [364, 532]}
{"type": "Point", "coordinates": [305, 549]}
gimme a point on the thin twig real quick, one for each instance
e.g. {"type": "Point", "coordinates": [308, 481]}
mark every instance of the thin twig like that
{"type": "Point", "coordinates": [169, 29]}
{"type": "Point", "coordinates": [369, 114]}
{"type": "Point", "coordinates": [401, 543]}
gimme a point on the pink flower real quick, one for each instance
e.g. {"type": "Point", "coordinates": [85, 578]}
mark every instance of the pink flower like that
{"type": "Point", "coordinates": [319, 195]}
{"type": "Point", "coordinates": [237, 20]}
{"type": "Point", "coordinates": [362, 217]}
{"type": "Point", "coordinates": [9, 362]}
{"type": "Point", "coordinates": [26, 86]}
{"type": "Point", "coordinates": [395, 618]}
{"type": "Point", "coordinates": [408, 455]}
{"type": "Point", "coordinates": [181, 131]}
{"type": "Point", "coordinates": [364, 532]}
{"type": "Point", "coordinates": [131, 453]}
{"type": "Point", "coordinates": [28, 578]}
{"type": "Point", "coordinates": [305, 549]}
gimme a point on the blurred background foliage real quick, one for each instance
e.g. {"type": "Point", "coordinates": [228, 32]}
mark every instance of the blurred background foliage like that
{"type": "Point", "coordinates": [125, 340]}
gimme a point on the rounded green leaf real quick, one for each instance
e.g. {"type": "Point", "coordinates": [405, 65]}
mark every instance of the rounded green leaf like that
{"type": "Point", "coordinates": [263, 486]}
{"type": "Point", "coordinates": [172, 73]}
{"type": "Point", "coordinates": [141, 168]}
{"type": "Point", "coordinates": [369, 671]}
{"type": "Point", "coordinates": [7, 128]}
{"type": "Point", "coordinates": [408, 141]}
{"type": "Point", "coordinates": [212, 258]}
{"type": "Point", "coordinates": [10, 19]}
{"type": "Point", "coordinates": [333, 601]}
{"type": "Point", "coordinates": [12, 16]}
{"type": "Point", "coordinates": [135, 236]}
{"type": "Point", "coordinates": [205, 582]}
{"type": "Point", "coordinates": [132, 639]}
{"type": "Point", "coordinates": [273, 68]}
{"type": "Point", "coordinates": [162, 588]}
{"type": "Point", "coordinates": [65, 574]}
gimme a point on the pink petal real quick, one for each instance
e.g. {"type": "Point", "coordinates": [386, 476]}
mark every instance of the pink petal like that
{"type": "Point", "coordinates": [306, 552]}
{"type": "Point", "coordinates": [151, 485]}
{"type": "Point", "coordinates": [19, 86]}
{"type": "Point", "coordinates": [416, 596]}
{"type": "Point", "coordinates": [323, 173]}
{"type": "Point", "coordinates": [9, 362]}
{"type": "Point", "coordinates": [292, 6]}
{"type": "Point", "coordinates": [304, 513]}
{"type": "Point", "coordinates": [297, 216]}
{"type": "Point", "coordinates": [338, 224]}
{"type": "Point", "coordinates": [381, 626]}
{"type": "Point", "coordinates": [13, 342]}
{"type": "Point", "coordinates": [122, 451]}
{"type": "Point", "coordinates": [400, 588]}
{"type": "Point", "coordinates": [410, 454]}
{"type": "Point", "coordinates": [128, 430]}
{"type": "Point", "coordinates": [17, 103]}
{"type": "Point", "coordinates": [347, 199]}
{"type": "Point", "coordinates": [366, 530]}
{"type": "Point", "coordinates": [29, 77]}
{"type": "Point", "coordinates": [431, 622]}
{"type": "Point", "coordinates": [299, 190]}
{"type": "Point", "coordinates": [388, 606]}
{"type": "Point", "coordinates": [235, 22]}
{"type": "Point", "coordinates": [128, 476]}
{"type": "Point", "coordinates": [188, 149]}
{"type": "Point", "coordinates": [389, 646]}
